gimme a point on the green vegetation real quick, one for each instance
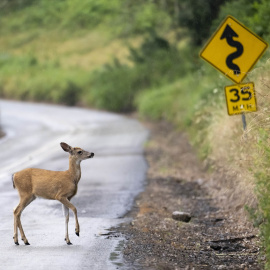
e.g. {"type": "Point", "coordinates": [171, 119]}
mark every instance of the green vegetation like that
{"type": "Point", "coordinates": [140, 55]}
{"type": "Point", "coordinates": [258, 153]}
{"type": "Point", "coordinates": [47, 49]}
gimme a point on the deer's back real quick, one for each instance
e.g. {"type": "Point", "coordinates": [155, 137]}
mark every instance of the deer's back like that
{"type": "Point", "coordinates": [44, 183]}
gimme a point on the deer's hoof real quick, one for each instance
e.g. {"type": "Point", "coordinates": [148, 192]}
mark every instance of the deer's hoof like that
{"type": "Point", "coordinates": [27, 243]}
{"type": "Point", "coordinates": [69, 243]}
{"type": "Point", "coordinates": [78, 234]}
{"type": "Point", "coordinates": [16, 243]}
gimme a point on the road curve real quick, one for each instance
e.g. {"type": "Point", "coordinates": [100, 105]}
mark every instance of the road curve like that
{"type": "Point", "coordinates": [109, 183]}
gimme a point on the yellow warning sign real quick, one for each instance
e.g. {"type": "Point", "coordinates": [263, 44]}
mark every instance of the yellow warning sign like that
{"type": "Point", "coordinates": [233, 49]}
{"type": "Point", "coordinates": [240, 98]}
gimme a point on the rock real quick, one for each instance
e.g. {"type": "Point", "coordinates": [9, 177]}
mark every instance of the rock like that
{"type": "Point", "coordinates": [199, 181]}
{"type": "Point", "coordinates": [222, 267]}
{"type": "Point", "coordinates": [181, 216]}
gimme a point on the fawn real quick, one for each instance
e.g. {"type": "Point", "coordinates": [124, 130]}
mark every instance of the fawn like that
{"type": "Point", "coordinates": [52, 185]}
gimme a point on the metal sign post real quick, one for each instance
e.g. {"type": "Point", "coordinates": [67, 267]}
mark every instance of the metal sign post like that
{"type": "Point", "coordinates": [244, 121]}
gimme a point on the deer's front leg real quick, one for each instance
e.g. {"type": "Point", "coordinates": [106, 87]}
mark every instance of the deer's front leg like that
{"type": "Point", "coordinates": [69, 205]}
{"type": "Point", "coordinates": [66, 214]}
{"type": "Point", "coordinates": [15, 236]}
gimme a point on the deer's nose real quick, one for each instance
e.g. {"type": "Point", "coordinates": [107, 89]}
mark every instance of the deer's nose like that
{"type": "Point", "coordinates": [91, 155]}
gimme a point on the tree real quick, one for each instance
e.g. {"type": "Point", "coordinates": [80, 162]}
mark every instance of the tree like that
{"type": "Point", "coordinates": [197, 16]}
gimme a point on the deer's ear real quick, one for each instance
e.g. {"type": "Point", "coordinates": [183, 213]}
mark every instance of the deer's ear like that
{"type": "Point", "coordinates": [66, 147]}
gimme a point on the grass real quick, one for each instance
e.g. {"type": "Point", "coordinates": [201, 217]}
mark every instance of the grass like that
{"type": "Point", "coordinates": [43, 66]}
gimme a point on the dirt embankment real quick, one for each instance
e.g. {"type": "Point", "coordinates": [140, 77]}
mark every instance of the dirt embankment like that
{"type": "Point", "coordinates": [218, 235]}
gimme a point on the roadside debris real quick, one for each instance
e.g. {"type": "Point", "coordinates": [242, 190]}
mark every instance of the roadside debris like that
{"type": "Point", "coordinates": [181, 216]}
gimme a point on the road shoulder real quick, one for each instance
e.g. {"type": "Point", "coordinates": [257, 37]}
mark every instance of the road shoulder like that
{"type": "Point", "coordinates": [215, 238]}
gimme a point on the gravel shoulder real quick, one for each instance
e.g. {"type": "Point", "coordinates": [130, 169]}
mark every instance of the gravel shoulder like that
{"type": "Point", "coordinates": [217, 237]}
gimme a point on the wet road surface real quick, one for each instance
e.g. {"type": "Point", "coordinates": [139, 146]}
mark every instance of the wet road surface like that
{"type": "Point", "coordinates": [109, 183]}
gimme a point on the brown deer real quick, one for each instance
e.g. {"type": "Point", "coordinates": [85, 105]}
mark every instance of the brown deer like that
{"type": "Point", "coordinates": [52, 185]}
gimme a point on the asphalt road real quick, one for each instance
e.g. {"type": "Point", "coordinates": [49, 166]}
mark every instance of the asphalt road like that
{"type": "Point", "coordinates": [109, 183]}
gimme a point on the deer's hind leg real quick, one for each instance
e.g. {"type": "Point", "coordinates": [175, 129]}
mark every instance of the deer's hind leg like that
{"type": "Point", "coordinates": [24, 201]}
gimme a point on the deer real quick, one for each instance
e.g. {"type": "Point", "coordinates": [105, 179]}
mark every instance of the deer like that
{"type": "Point", "coordinates": [52, 185]}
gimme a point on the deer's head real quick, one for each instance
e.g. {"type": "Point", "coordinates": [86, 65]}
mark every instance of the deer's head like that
{"type": "Point", "coordinates": [76, 152]}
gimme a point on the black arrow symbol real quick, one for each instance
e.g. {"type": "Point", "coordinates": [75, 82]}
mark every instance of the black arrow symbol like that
{"type": "Point", "coordinates": [228, 33]}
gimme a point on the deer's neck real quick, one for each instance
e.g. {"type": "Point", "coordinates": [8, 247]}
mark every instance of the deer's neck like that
{"type": "Point", "coordinates": [75, 169]}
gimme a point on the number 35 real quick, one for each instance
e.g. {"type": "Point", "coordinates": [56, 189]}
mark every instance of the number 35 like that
{"type": "Point", "coordinates": [245, 94]}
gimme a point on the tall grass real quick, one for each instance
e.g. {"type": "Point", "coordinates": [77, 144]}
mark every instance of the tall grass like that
{"type": "Point", "coordinates": [245, 154]}
{"type": "Point", "coordinates": [257, 150]}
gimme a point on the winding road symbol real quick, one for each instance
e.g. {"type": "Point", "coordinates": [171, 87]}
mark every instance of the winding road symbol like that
{"type": "Point", "coordinates": [228, 34]}
{"type": "Point", "coordinates": [233, 49]}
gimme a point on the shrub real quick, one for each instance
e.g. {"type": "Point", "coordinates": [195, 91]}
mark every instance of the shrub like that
{"type": "Point", "coordinates": [155, 63]}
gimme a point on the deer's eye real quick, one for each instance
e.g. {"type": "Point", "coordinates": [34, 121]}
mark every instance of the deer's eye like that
{"type": "Point", "coordinates": [79, 152]}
